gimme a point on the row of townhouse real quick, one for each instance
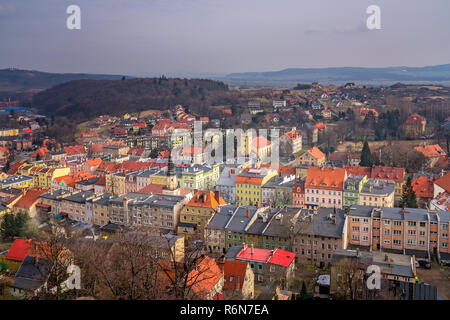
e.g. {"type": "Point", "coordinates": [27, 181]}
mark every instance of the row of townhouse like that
{"type": "Point", "coordinates": [411, 231]}
{"type": "Point", "coordinates": [41, 173]}
{"type": "Point", "coordinates": [312, 234]}
{"type": "Point", "coordinates": [194, 177]}
{"type": "Point", "coordinates": [157, 211]}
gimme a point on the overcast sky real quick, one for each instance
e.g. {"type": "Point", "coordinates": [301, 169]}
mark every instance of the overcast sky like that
{"type": "Point", "coordinates": [137, 37]}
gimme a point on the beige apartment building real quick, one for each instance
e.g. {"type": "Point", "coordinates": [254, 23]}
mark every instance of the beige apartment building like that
{"type": "Point", "coordinates": [160, 212]}
{"type": "Point", "coordinates": [409, 231]}
{"type": "Point", "coordinates": [377, 193]}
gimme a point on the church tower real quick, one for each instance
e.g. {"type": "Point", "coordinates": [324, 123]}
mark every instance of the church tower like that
{"type": "Point", "coordinates": [172, 182]}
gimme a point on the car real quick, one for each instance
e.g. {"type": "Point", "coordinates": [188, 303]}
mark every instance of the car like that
{"type": "Point", "coordinates": [423, 264]}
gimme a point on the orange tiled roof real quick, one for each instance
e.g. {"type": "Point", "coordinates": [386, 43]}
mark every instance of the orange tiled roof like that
{"type": "Point", "coordinates": [94, 162]}
{"type": "Point", "coordinates": [423, 186]}
{"type": "Point", "coordinates": [203, 279]}
{"type": "Point", "coordinates": [287, 170]}
{"type": "Point", "coordinates": [249, 180]}
{"type": "Point", "coordinates": [41, 152]}
{"type": "Point", "coordinates": [72, 150]}
{"type": "Point", "coordinates": [444, 182]}
{"type": "Point", "coordinates": [431, 151]}
{"type": "Point", "coordinates": [316, 153]}
{"type": "Point", "coordinates": [293, 135]}
{"type": "Point", "coordinates": [30, 197]}
{"type": "Point", "coordinates": [235, 269]}
{"type": "Point", "coordinates": [325, 178]}
{"type": "Point", "coordinates": [205, 199]}
{"type": "Point", "coordinates": [388, 173]}
{"type": "Point", "coordinates": [358, 170]}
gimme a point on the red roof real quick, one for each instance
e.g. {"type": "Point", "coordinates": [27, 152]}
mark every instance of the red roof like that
{"type": "Point", "coordinates": [278, 257]}
{"type": "Point", "coordinates": [19, 249]}
{"type": "Point", "coordinates": [30, 197]}
{"type": "Point", "coordinates": [74, 150]}
{"type": "Point", "coordinates": [444, 182]}
{"type": "Point", "coordinates": [316, 153]}
{"type": "Point", "coordinates": [282, 258]}
{"type": "Point", "coordinates": [431, 151]}
{"type": "Point", "coordinates": [152, 189]}
{"type": "Point", "coordinates": [234, 270]}
{"type": "Point", "coordinates": [423, 186]}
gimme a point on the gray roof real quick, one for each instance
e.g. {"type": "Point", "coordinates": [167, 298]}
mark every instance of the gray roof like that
{"type": "Point", "coordinates": [378, 187]}
{"type": "Point", "coordinates": [233, 252]}
{"type": "Point", "coordinates": [259, 224]}
{"type": "Point", "coordinates": [15, 179]}
{"type": "Point", "coordinates": [227, 179]}
{"type": "Point", "coordinates": [280, 224]}
{"type": "Point", "coordinates": [80, 197]}
{"type": "Point", "coordinates": [279, 182]}
{"type": "Point", "coordinates": [321, 222]}
{"type": "Point", "coordinates": [55, 194]}
{"type": "Point", "coordinates": [33, 273]}
{"type": "Point", "coordinates": [138, 199]}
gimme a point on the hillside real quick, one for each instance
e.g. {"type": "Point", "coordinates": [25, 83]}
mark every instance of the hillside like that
{"type": "Point", "coordinates": [440, 73]}
{"type": "Point", "coordinates": [27, 79]}
{"type": "Point", "coordinates": [83, 99]}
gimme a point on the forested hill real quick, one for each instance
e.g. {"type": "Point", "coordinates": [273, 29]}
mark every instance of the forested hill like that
{"type": "Point", "coordinates": [83, 99]}
{"type": "Point", "coordinates": [29, 79]}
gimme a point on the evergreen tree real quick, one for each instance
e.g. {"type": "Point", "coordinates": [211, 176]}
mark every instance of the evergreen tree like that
{"type": "Point", "coordinates": [366, 156]}
{"type": "Point", "coordinates": [409, 196]}
{"type": "Point", "coordinates": [14, 225]}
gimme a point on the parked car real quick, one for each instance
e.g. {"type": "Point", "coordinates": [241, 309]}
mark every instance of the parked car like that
{"type": "Point", "coordinates": [423, 264]}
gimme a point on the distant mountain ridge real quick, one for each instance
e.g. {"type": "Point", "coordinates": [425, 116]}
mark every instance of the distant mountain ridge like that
{"type": "Point", "coordinates": [438, 73]}
{"type": "Point", "coordinates": [30, 79]}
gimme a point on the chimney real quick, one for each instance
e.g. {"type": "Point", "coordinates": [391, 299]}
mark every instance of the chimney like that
{"type": "Point", "coordinates": [244, 246]}
{"type": "Point", "coordinates": [251, 249]}
{"type": "Point", "coordinates": [358, 253]}
{"type": "Point", "coordinates": [217, 196]}
{"type": "Point", "coordinates": [248, 213]}
{"type": "Point", "coordinates": [229, 173]}
{"type": "Point", "coordinates": [256, 204]}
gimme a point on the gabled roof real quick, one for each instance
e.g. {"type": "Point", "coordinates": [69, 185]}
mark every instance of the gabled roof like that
{"type": "Point", "coordinates": [431, 151]}
{"type": "Point", "coordinates": [29, 198]}
{"type": "Point", "coordinates": [234, 270]}
{"type": "Point", "coordinates": [444, 182]}
{"type": "Point", "coordinates": [316, 153]}
{"type": "Point", "coordinates": [205, 199]}
{"type": "Point", "coordinates": [19, 249]}
{"type": "Point", "coordinates": [423, 186]}
{"type": "Point", "coordinates": [325, 178]}
{"type": "Point", "coordinates": [203, 278]}
{"type": "Point", "coordinates": [94, 162]}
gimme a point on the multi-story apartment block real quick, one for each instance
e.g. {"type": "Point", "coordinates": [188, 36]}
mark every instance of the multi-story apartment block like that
{"type": "Point", "coordinates": [291, 143]}
{"type": "Point", "coordinates": [76, 208]}
{"type": "Point", "coordinates": [298, 193]}
{"type": "Point", "coordinates": [42, 174]}
{"type": "Point", "coordinates": [226, 184]}
{"type": "Point", "coordinates": [318, 234]}
{"type": "Point", "coordinates": [249, 185]}
{"type": "Point", "coordinates": [227, 227]}
{"type": "Point", "coordinates": [324, 186]}
{"type": "Point", "coordinates": [18, 182]}
{"type": "Point", "coordinates": [277, 192]}
{"type": "Point", "coordinates": [352, 188]}
{"type": "Point", "coordinates": [198, 211]}
{"type": "Point", "coordinates": [199, 177]}
{"type": "Point", "coordinates": [377, 193]}
{"type": "Point", "coordinates": [411, 231]}
{"type": "Point", "coordinates": [158, 211]}
{"type": "Point", "coordinates": [269, 266]}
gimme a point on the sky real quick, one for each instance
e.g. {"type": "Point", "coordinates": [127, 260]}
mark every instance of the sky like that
{"type": "Point", "coordinates": [182, 37]}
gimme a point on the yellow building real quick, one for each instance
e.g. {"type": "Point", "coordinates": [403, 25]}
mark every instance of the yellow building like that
{"type": "Point", "coordinates": [42, 174]}
{"type": "Point", "coordinates": [312, 157]}
{"type": "Point", "coordinates": [200, 177]}
{"type": "Point", "coordinates": [377, 193]}
{"type": "Point", "coordinates": [197, 212]}
{"type": "Point", "coordinates": [18, 182]}
{"type": "Point", "coordinates": [249, 183]}
{"type": "Point", "coordinates": [9, 132]}
{"type": "Point", "coordinates": [115, 183]}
